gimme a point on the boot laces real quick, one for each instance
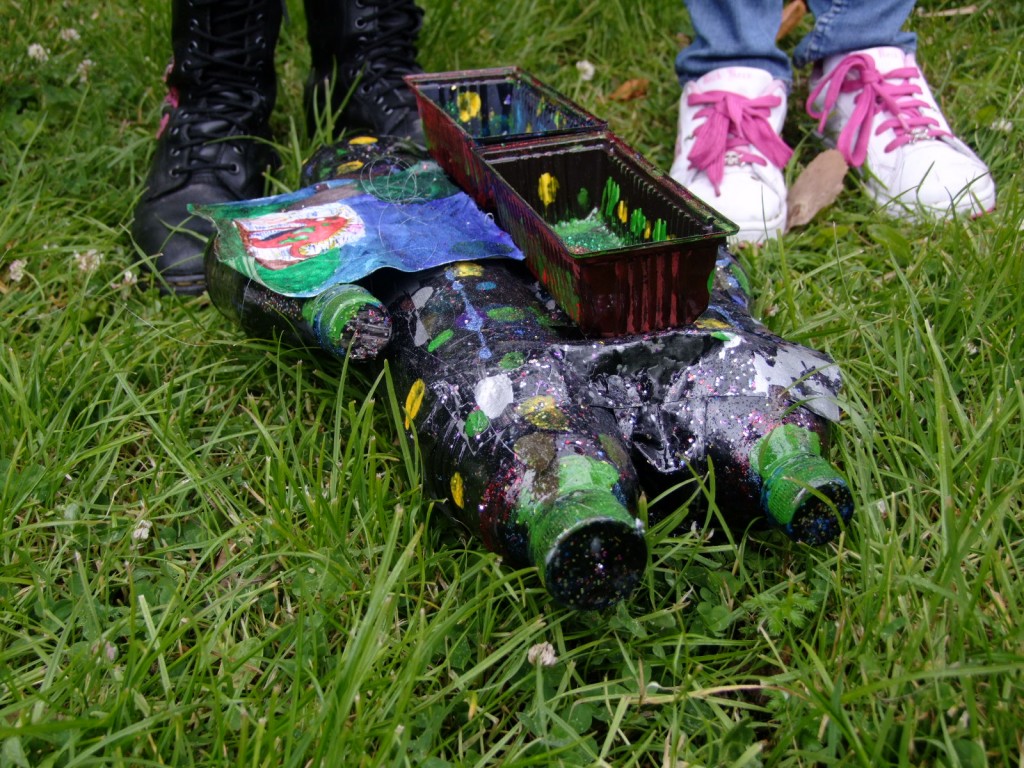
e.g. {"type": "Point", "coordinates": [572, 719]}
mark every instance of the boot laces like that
{"type": "Point", "coordinates": [390, 50]}
{"type": "Point", "coordinates": [226, 61]}
{"type": "Point", "coordinates": [891, 93]}
{"type": "Point", "coordinates": [207, 123]}
{"type": "Point", "coordinates": [735, 131]}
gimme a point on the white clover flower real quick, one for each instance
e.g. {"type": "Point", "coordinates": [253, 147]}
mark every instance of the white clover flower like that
{"type": "Point", "coordinates": [16, 271]}
{"type": "Point", "coordinates": [88, 261]}
{"type": "Point", "coordinates": [83, 68]}
{"type": "Point", "coordinates": [105, 650]}
{"type": "Point", "coordinates": [542, 654]}
{"type": "Point", "coordinates": [127, 281]}
{"type": "Point", "coordinates": [36, 52]}
{"type": "Point", "coordinates": [142, 529]}
{"type": "Point", "coordinates": [586, 70]}
{"type": "Point", "coordinates": [1002, 125]}
{"type": "Point", "coordinates": [70, 35]}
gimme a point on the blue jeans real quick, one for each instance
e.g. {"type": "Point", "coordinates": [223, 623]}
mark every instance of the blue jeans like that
{"type": "Point", "coordinates": [733, 33]}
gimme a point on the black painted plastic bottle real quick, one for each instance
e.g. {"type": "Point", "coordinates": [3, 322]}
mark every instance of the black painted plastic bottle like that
{"type": "Point", "coordinates": [525, 463]}
{"type": "Point", "coordinates": [344, 320]}
{"type": "Point", "coordinates": [727, 402]}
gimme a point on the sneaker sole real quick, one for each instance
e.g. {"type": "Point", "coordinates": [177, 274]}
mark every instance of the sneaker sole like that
{"type": "Point", "coordinates": [758, 232]}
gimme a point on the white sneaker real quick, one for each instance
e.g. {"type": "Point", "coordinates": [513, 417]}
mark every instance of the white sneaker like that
{"type": "Point", "coordinates": [728, 149]}
{"type": "Point", "coordinates": [877, 107]}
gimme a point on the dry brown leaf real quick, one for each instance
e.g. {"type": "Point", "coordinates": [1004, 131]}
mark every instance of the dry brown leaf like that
{"type": "Point", "coordinates": [791, 16]}
{"type": "Point", "coordinates": [630, 90]}
{"type": "Point", "coordinates": [816, 187]}
{"type": "Point", "coordinates": [229, 549]}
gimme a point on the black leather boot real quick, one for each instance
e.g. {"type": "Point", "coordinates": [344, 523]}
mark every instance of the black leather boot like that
{"type": "Point", "coordinates": [360, 51]}
{"type": "Point", "coordinates": [211, 145]}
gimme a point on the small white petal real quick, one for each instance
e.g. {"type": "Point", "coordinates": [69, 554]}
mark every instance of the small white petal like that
{"type": "Point", "coordinates": [586, 69]}
{"type": "Point", "coordinates": [36, 52]}
{"type": "Point", "coordinates": [542, 654]}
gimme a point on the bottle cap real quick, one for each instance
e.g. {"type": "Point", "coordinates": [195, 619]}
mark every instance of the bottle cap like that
{"type": "Point", "coordinates": [808, 497]}
{"type": "Point", "coordinates": [589, 548]}
{"type": "Point", "coordinates": [349, 320]}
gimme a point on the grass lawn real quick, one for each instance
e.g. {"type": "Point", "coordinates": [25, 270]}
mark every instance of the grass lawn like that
{"type": "Point", "coordinates": [217, 551]}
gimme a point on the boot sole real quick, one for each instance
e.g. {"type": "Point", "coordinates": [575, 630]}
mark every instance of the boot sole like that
{"type": "Point", "coordinates": [181, 285]}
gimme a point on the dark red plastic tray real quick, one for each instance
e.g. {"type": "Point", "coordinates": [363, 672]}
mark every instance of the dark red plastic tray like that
{"type": "Point", "coordinates": [645, 284]}
{"type": "Point", "coordinates": [535, 159]}
{"type": "Point", "coordinates": [478, 107]}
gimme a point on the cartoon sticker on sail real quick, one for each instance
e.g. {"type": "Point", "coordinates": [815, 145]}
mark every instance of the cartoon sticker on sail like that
{"type": "Point", "coordinates": [278, 240]}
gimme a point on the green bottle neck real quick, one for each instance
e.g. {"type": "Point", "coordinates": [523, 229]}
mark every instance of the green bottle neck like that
{"type": "Point", "coordinates": [590, 550]}
{"type": "Point", "coordinates": [588, 546]}
{"type": "Point", "coordinates": [802, 492]}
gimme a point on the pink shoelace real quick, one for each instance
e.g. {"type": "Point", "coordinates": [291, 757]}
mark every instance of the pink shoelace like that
{"type": "Point", "coordinates": [734, 125]}
{"type": "Point", "coordinates": [892, 93]}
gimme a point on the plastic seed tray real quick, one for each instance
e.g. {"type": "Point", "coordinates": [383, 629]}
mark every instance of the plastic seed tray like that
{"type": "Point", "coordinates": [621, 246]}
{"type": "Point", "coordinates": [468, 109]}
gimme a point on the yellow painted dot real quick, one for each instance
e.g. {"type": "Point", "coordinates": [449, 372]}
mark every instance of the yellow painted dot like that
{"type": "Point", "coordinates": [458, 490]}
{"type": "Point", "coordinates": [467, 269]}
{"type": "Point", "coordinates": [413, 401]}
{"type": "Point", "coordinates": [363, 140]}
{"type": "Point", "coordinates": [543, 412]}
{"type": "Point", "coordinates": [469, 105]}
{"type": "Point", "coordinates": [709, 323]}
{"type": "Point", "coordinates": [547, 188]}
{"type": "Point", "coordinates": [351, 165]}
